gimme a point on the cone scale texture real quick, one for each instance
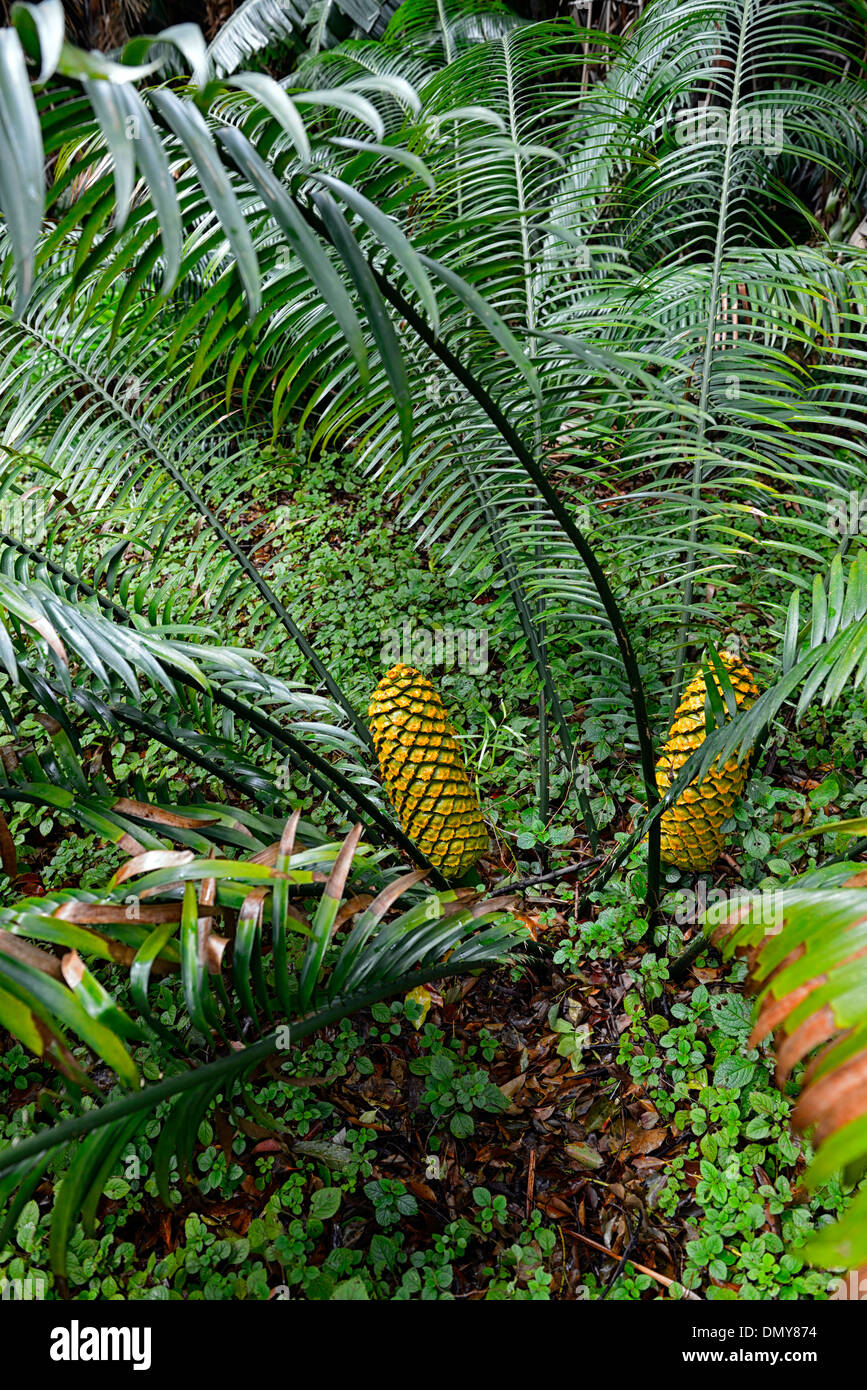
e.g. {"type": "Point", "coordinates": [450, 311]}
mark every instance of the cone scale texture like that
{"type": "Point", "coordinates": [691, 831]}
{"type": "Point", "coordinates": [423, 771]}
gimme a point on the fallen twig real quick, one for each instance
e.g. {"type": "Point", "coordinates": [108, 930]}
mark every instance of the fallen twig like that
{"type": "Point", "coordinates": [554, 873]}
{"type": "Point", "coordinates": [642, 1269]}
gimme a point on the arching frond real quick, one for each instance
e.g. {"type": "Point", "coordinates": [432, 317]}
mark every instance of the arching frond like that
{"type": "Point", "coordinates": [252, 27]}
{"type": "Point", "coordinates": [246, 959]}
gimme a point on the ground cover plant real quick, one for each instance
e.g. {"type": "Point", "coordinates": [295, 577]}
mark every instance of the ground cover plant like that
{"type": "Point", "coordinates": [520, 356]}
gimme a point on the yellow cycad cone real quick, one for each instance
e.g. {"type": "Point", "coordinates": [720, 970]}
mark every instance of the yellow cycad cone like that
{"type": "Point", "coordinates": [691, 834]}
{"type": "Point", "coordinates": [423, 771]}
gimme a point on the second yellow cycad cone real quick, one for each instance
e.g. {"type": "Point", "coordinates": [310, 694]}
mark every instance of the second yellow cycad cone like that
{"type": "Point", "coordinates": [691, 834]}
{"type": "Point", "coordinates": [424, 773]}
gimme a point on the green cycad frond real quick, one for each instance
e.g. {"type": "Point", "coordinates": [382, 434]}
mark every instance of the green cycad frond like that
{"type": "Point", "coordinates": [130, 457]}
{"type": "Point", "coordinates": [254, 26]}
{"type": "Point", "coordinates": [246, 959]}
{"type": "Point", "coordinates": [208, 702]}
{"type": "Point", "coordinates": [214, 201]}
{"type": "Point", "coordinates": [707, 194]}
{"type": "Point", "coordinates": [771, 429]}
{"type": "Point", "coordinates": [380, 69]}
{"type": "Point", "coordinates": [671, 315]}
{"type": "Point", "coordinates": [758, 423]}
{"type": "Point", "coordinates": [258, 25]}
{"type": "Point", "coordinates": [171, 176]}
{"type": "Point", "coordinates": [516, 200]}
{"type": "Point", "coordinates": [444, 27]}
{"type": "Point", "coordinates": [131, 818]}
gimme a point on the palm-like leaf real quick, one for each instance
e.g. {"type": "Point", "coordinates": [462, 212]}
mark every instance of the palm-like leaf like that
{"type": "Point", "coordinates": [187, 128]}
{"type": "Point", "coordinates": [196, 685]}
{"type": "Point", "coordinates": [249, 954]}
{"type": "Point", "coordinates": [255, 25]}
{"type": "Point", "coordinates": [258, 25]}
{"type": "Point", "coordinates": [638, 345]}
{"type": "Point", "coordinates": [724, 363]}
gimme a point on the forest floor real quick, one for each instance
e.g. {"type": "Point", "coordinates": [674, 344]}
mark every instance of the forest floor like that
{"type": "Point", "coordinates": [574, 1126]}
